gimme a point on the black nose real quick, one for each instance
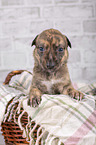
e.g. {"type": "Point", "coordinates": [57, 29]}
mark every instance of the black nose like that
{"type": "Point", "coordinates": [50, 64]}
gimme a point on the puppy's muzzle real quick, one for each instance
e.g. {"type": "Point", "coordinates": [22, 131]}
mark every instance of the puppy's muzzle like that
{"type": "Point", "coordinates": [50, 64]}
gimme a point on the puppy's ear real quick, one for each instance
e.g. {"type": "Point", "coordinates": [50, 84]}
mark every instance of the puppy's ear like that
{"type": "Point", "coordinates": [69, 43]}
{"type": "Point", "coordinates": [34, 41]}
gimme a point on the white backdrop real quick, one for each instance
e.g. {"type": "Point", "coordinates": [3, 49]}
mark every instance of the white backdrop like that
{"type": "Point", "coordinates": [22, 20]}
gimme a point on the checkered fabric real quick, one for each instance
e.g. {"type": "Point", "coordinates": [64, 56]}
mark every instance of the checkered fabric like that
{"type": "Point", "coordinates": [6, 94]}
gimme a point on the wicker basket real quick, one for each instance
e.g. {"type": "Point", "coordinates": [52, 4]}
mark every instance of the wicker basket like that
{"type": "Point", "coordinates": [12, 133]}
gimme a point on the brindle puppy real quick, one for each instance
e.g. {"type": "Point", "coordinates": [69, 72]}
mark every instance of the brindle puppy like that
{"type": "Point", "coordinates": [50, 73]}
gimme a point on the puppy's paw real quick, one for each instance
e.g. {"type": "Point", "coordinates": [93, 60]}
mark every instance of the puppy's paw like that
{"type": "Point", "coordinates": [34, 101]}
{"type": "Point", "coordinates": [76, 94]}
{"type": "Point", "coordinates": [34, 97]}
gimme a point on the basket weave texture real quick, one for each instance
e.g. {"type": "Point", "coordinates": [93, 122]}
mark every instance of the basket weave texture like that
{"type": "Point", "coordinates": [12, 133]}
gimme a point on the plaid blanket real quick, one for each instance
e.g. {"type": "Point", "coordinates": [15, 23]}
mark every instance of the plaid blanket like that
{"type": "Point", "coordinates": [63, 120]}
{"type": "Point", "coordinates": [6, 94]}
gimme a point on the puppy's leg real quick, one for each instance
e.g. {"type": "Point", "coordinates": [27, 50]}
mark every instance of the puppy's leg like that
{"type": "Point", "coordinates": [34, 97]}
{"type": "Point", "coordinates": [67, 90]}
{"type": "Point", "coordinates": [73, 93]}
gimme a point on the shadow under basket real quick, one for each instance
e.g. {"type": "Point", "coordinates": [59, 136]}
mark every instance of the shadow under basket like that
{"type": "Point", "coordinates": [12, 133]}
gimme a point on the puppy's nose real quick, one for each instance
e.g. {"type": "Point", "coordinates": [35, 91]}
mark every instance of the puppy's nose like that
{"type": "Point", "coordinates": [50, 64]}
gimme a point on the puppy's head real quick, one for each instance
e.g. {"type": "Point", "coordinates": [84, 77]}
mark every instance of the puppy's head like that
{"type": "Point", "coordinates": [51, 49]}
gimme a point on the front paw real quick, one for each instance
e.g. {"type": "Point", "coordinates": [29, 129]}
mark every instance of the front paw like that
{"type": "Point", "coordinates": [34, 101]}
{"type": "Point", "coordinates": [76, 94]}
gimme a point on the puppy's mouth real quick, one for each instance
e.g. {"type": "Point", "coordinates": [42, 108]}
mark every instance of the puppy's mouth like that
{"type": "Point", "coordinates": [50, 69]}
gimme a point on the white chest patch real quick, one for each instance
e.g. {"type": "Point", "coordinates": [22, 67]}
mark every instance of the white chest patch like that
{"type": "Point", "coordinates": [50, 83]}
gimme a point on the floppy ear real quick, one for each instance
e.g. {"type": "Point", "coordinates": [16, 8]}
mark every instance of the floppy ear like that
{"type": "Point", "coordinates": [34, 41]}
{"type": "Point", "coordinates": [69, 43]}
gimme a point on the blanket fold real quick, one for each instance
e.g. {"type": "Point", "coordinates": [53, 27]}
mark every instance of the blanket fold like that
{"type": "Point", "coordinates": [59, 119]}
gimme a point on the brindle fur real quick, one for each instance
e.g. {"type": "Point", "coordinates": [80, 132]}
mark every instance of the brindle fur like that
{"type": "Point", "coordinates": [50, 73]}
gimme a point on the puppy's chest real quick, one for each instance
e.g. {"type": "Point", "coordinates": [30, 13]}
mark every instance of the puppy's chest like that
{"type": "Point", "coordinates": [49, 84]}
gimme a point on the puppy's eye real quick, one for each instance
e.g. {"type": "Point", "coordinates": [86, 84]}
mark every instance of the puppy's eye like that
{"type": "Point", "coordinates": [60, 49]}
{"type": "Point", "coordinates": [41, 49]}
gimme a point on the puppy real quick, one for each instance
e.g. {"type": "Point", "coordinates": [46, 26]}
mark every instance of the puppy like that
{"type": "Point", "coordinates": [50, 72]}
